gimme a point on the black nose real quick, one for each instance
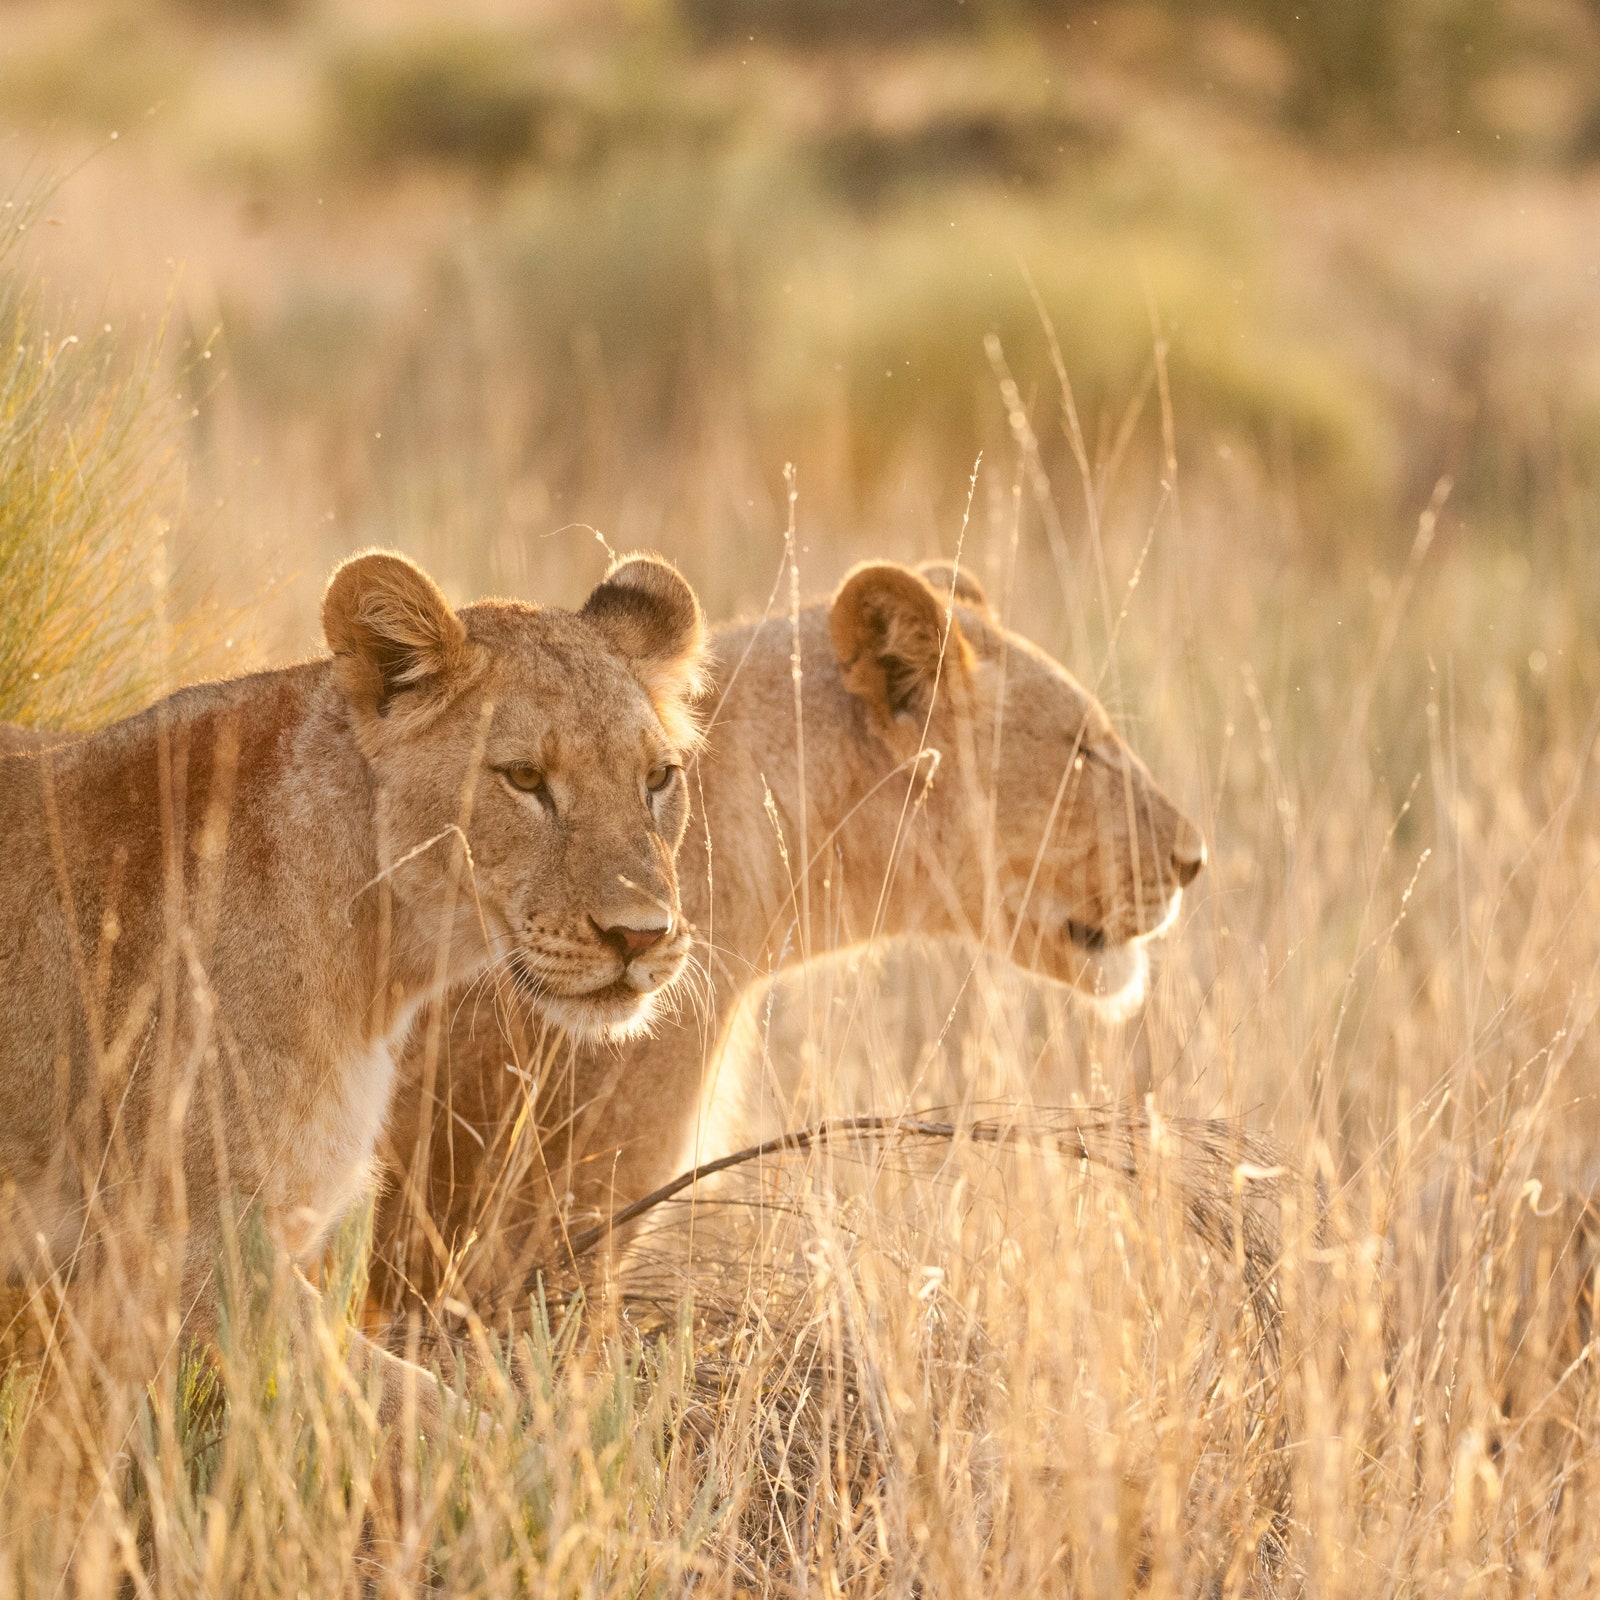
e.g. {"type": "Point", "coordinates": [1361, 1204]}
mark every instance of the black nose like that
{"type": "Point", "coordinates": [630, 942]}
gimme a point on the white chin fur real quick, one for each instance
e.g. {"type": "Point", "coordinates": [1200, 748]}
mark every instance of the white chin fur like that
{"type": "Point", "coordinates": [1115, 980]}
{"type": "Point", "coordinates": [597, 1022]}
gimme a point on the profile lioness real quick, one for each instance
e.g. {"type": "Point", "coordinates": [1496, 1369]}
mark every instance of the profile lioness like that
{"type": "Point", "coordinates": [221, 917]}
{"type": "Point", "coordinates": [955, 780]}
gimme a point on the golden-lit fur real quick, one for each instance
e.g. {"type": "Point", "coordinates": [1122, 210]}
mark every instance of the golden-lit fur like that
{"type": "Point", "coordinates": [16, 741]}
{"type": "Point", "coordinates": [222, 916]}
{"type": "Point", "coordinates": [955, 780]}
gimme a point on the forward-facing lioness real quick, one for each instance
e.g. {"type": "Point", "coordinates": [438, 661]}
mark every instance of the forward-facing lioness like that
{"type": "Point", "coordinates": [951, 778]}
{"type": "Point", "coordinates": [221, 916]}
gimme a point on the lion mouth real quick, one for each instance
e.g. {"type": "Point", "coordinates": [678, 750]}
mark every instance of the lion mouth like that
{"type": "Point", "coordinates": [621, 990]}
{"type": "Point", "coordinates": [609, 993]}
{"type": "Point", "coordinates": [614, 1010]}
{"type": "Point", "coordinates": [1095, 939]}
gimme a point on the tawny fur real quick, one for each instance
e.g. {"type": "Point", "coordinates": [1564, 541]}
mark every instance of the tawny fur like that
{"type": "Point", "coordinates": [514, 1136]}
{"type": "Point", "coordinates": [222, 916]}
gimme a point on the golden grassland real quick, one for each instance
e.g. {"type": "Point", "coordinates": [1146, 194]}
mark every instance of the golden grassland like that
{"type": "Point", "coordinates": [1310, 1311]}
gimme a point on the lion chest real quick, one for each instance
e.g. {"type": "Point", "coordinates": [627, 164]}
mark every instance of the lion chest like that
{"type": "Point", "coordinates": [332, 1162]}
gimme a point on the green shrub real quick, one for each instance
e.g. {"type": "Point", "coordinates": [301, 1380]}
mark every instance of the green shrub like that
{"type": "Point", "coordinates": [451, 96]}
{"type": "Point", "coordinates": [1021, 147]}
{"type": "Point", "coordinates": [818, 21]}
{"type": "Point", "coordinates": [617, 302]}
{"type": "Point", "coordinates": [100, 75]}
{"type": "Point", "coordinates": [1389, 66]}
{"type": "Point", "coordinates": [247, 11]}
{"type": "Point", "coordinates": [1399, 66]}
{"type": "Point", "coordinates": [888, 337]}
{"type": "Point", "coordinates": [87, 484]}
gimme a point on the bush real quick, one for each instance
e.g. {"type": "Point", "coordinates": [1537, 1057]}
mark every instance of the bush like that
{"type": "Point", "coordinates": [464, 97]}
{"type": "Point", "coordinates": [1020, 147]}
{"type": "Point", "coordinates": [100, 74]}
{"type": "Point", "coordinates": [819, 21]}
{"type": "Point", "coordinates": [1400, 66]}
{"type": "Point", "coordinates": [246, 11]}
{"type": "Point", "coordinates": [87, 482]}
{"type": "Point", "coordinates": [1392, 66]}
{"type": "Point", "coordinates": [903, 335]}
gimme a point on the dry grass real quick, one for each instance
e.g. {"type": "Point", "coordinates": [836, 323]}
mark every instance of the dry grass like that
{"type": "Point", "coordinates": [1309, 1310]}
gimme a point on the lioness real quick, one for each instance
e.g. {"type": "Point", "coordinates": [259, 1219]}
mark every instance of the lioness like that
{"type": "Point", "coordinates": [951, 778]}
{"type": "Point", "coordinates": [222, 916]}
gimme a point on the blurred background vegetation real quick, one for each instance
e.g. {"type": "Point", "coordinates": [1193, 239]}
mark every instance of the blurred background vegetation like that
{"type": "Point", "coordinates": [479, 273]}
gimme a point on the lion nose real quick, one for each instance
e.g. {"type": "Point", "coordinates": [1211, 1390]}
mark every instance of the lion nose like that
{"type": "Point", "coordinates": [628, 941]}
{"type": "Point", "coordinates": [1188, 854]}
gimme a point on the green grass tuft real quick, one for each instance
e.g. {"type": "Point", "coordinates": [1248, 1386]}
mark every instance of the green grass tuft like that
{"type": "Point", "coordinates": [89, 481]}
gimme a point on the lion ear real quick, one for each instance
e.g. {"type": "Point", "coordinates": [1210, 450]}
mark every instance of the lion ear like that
{"type": "Point", "coordinates": [650, 616]}
{"type": "Point", "coordinates": [889, 634]}
{"type": "Point", "coordinates": [945, 579]}
{"type": "Point", "coordinates": [391, 631]}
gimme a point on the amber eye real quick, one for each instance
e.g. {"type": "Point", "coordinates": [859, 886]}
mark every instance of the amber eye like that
{"type": "Point", "coordinates": [658, 778]}
{"type": "Point", "coordinates": [528, 778]}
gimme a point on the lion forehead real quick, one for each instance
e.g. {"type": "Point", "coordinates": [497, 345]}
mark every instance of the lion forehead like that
{"type": "Point", "coordinates": [1067, 773]}
{"type": "Point", "coordinates": [1053, 714]}
{"type": "Point", "coordinates": [574, 710]}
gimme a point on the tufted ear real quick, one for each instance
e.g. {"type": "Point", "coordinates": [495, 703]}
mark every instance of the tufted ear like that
{"type": "Point", "coordinates": [391, 631]}
{"type": "Point", "coordinates": [939, 575]}
{"type": "Point", "coordinates": [650, 616]}
{"type": "Point", "coordinates": [888, 632]}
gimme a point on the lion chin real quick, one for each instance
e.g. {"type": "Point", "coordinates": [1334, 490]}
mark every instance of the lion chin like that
{"type": "Point", "coordinates": [611, 1015]}
{"type": "Point", "coordinates": [1115, 978]}
{"type": "Point", "coordinates": [1114, 981]}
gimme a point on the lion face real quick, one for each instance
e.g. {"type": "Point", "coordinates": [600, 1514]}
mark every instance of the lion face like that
{"type": "Point", "coordinates": [528, 770]}
{"type": "Point", "coordinates": [1090, 857]}
{"type": "Point", "coordinates": [1053, 841]}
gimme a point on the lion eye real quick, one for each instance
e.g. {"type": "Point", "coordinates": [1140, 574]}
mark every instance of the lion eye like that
{"type": "Point", "coordinates": [527, 778]}
{"type": "Point", "coordinates": [658, 778]}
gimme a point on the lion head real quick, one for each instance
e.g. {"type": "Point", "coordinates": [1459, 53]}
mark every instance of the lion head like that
{"type": "Point", "coordinates": [527, 767]}
{"type": "Point", "coordinates": [1045, 833]}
